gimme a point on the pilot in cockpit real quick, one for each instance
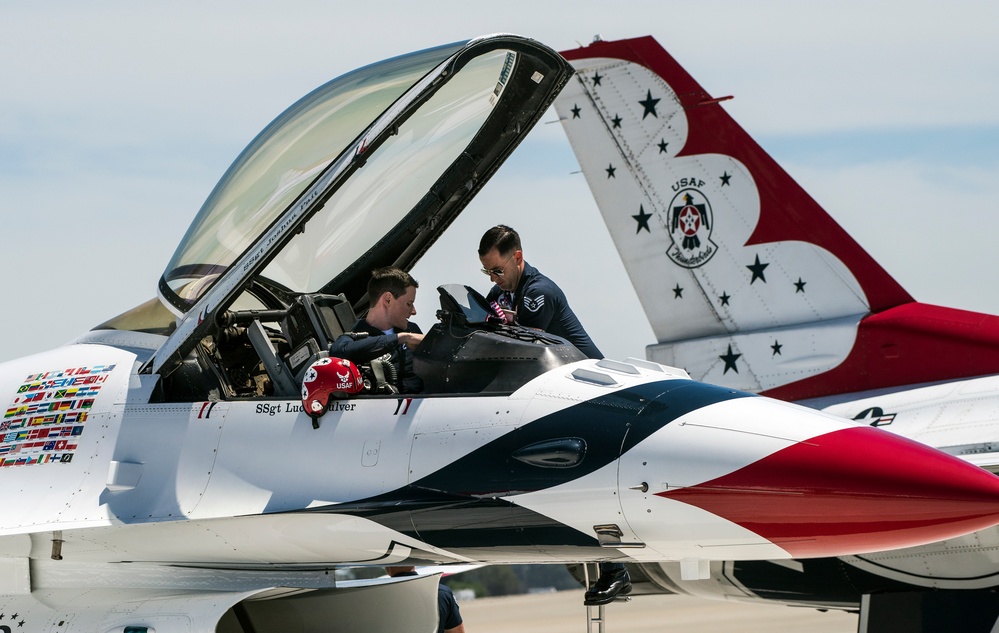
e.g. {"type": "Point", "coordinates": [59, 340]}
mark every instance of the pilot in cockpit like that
{"type": "Point", "coordinates": [386, 329]}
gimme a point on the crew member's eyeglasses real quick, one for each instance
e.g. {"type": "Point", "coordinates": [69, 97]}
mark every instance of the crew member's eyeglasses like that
{"type": "Point", "coordinates": [499, 272]}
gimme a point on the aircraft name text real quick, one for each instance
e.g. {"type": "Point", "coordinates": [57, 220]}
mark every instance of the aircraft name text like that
{"type": "Point", "coordinates": [291, 407]}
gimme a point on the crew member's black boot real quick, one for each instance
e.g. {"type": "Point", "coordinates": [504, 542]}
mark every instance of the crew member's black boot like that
{"type": "Point", "coordinates": [613, 582]}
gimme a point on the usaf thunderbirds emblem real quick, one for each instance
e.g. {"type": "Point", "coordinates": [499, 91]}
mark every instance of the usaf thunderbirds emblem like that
{"type": "Point", "coordinates": [690, 224]}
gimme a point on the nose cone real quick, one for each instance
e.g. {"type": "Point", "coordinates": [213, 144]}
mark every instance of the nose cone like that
{"type": "Point", "coordinates": [851, 491]}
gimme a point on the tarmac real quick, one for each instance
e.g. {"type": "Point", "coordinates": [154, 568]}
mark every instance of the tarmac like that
{"type": "Point", "coordinates": [563, 612]}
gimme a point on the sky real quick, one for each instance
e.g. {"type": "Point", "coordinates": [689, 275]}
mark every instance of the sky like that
{"type": "Point", "coordinates": [117, 119]}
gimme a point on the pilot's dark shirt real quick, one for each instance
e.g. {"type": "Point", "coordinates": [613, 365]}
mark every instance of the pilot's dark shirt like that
{"type": "Point", "coordinates": [541, 304]}
{"type": "Point", "coordinates": [448, 614]}
{"type": "Point", "coordinates": [378, 344]}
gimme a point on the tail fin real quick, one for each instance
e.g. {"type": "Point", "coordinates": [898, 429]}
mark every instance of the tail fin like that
{"type": "Point", "coordinates": [746, 280]}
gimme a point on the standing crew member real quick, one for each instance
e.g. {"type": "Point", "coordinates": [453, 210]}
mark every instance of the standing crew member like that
{"type": "Point", "coordinates": [448, 614]}
{"type": "Point", "coordinates": [524, 293]}
{"type": "Point", "coordinates": [534, 300]}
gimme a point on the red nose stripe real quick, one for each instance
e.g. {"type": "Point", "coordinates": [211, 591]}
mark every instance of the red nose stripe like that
{"type": "Point", "coordinates": [852, 491]}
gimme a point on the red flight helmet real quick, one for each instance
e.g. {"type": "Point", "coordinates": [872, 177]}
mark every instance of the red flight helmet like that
{"type": "Point", "coordinates": [326, 378]}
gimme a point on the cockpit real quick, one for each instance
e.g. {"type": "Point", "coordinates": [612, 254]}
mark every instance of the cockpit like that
{"type": "Point", "coordinates": [264, 353]}
{"type": "Point", "coordinates": [366, 171]}
{"type": "Point", "coordinates": [468, 351]}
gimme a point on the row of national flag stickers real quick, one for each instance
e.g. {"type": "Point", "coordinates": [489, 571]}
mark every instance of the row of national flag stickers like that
{"type": "Point", "coordinates": [46, 418]}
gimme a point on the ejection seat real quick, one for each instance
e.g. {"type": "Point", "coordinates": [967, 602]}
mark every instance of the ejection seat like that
{"type": "Point", "coordinates": [312, 324]}
{"type": "Point", "coordinates": [309, 325]}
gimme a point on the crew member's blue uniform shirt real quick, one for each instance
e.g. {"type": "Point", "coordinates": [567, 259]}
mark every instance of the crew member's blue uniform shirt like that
{"type": "Point", "coordinates": [541, 304]}
{"type": "Point", "coordinates": [448, 614]}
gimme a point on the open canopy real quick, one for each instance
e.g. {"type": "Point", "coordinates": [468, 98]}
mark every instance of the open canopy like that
{"type": "Point", "coordinates": [366, 171]}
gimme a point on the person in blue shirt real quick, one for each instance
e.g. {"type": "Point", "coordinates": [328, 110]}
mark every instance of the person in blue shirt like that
{"type": "Point", "coordinates": [448, 615]}
{"type": "Point", "coordinates": [528, 298]}
{"type": "Point", "coordinates": [388, 330]}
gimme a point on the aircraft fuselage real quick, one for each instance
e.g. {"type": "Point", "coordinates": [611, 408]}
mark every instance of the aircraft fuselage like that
{"type": "Point", "coordinates": [590, 461]}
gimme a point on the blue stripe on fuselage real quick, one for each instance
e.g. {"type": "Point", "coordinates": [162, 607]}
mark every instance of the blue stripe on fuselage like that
{"type": "Point", "coordinates": [610, 425]}
{"type": "Point", "coordinates": [461, 507]}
